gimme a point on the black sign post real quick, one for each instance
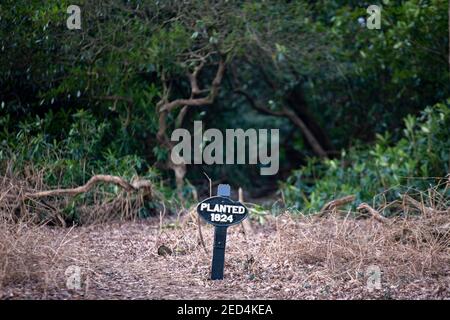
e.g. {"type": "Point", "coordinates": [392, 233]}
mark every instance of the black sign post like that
{"type": "Point", "coordinates": [218, 260]}
{"type": "Point", "coordinates": [221, 212]}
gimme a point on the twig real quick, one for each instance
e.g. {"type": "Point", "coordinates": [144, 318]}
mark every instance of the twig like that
{"type": "Point", "coordinates": [200, 233]}
{"type": "Point", "coordinates": [246, 225]}
{"type": "Point", "coordinates": [336, 203]}
{"type": "Point", "coordinates": [199, 222]}
{"type": "Point", "coordinates": [374, 213]}
{"type": "Point", "coordinates": [421, 206]}
{"type": "Point", "coordinates": [210, 184]}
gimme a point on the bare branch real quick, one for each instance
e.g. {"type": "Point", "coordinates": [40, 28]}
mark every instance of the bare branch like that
{"type": "Point", "coordinates": [309, 136]}
{"type": "Point", "coordinates": [421, 206]}
{"type": "Point", "coordinates": [293, 117]}
{"type": "Point", "coordinates": [168, 106]}
{"type": "Point", "coordinates": [374, 213]}
{"type": "Point", "coordinates": [134, 186]}
{"type": "Point", "coordinates": [195, 90]}
{"type": "Point", "coordinates": [258, 106]}
{"type": "Point", "coordinates": [337, 203]}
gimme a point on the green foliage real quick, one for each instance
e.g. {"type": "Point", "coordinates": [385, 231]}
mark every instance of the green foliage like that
{"type": "Point", "coordinates": [380, 76]}
{"type": "Point", "coordinates": [386, 167]}
{"type": "Point", "coordinates": [85, 151]}
{"type": "Point", "coordinates": [78, 102]}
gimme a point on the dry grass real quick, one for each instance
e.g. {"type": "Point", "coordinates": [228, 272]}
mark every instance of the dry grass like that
{"type": "Point", "coordinates": [34, 258]}
{"type": "Point", "coordinates": [293, 257]}
{"type": "Point", "coordinates": [289, 257]}
{"type": "Point", "coordinates": [96, 206]}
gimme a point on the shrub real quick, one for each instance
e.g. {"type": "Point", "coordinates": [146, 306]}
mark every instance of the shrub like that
{"type": "Point", "coordinates": [32, 158]}
{"type": "Point", "coordinates": [386, 167]}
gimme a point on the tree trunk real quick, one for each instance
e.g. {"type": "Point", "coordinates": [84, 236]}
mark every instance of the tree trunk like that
{"type": "Point", "coordinates": [297, 103]}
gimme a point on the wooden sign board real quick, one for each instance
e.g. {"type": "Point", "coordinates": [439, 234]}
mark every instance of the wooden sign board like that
{"type": "Point", "coordinates": [222, 211]}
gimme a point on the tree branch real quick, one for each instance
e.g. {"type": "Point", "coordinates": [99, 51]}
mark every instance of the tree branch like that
{"type": "Point", "coordinates": [195, 90]}
{"type": "Point", "coordinates": [309, 136]}
{"type": "Point", "coordinates": [293, 117]}
{"type": "Point", "coordinates": [374, 213]}
{"type": "Point", "coordinates": [258, 106]}
{"type": "Point", "coordinates": [168, 106]}
{"type": "Point", "coordinates": [134, 186]}
{"type": "Point", "coordinates": [337, 203]}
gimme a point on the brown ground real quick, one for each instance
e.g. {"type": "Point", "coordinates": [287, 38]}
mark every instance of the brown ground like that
{"type": "Point", "coordinates": [286, 258]}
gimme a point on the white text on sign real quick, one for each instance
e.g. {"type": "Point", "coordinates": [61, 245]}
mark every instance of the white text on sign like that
{"type": "Point", "coordinates": [222, 208]}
